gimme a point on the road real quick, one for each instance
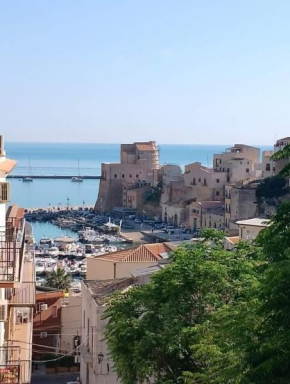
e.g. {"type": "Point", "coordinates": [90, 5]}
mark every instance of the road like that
{"type": "Point", "coordinates": [62, 378]}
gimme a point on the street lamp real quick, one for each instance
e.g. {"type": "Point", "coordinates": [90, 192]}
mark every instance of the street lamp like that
{"type": "Point", "coordinates": [100, 357]}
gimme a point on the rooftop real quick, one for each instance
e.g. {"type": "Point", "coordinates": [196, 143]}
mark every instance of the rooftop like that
{"type": "Point", "coordinates": [7, 165]}
{"type": "Point", "coordinates": [232, 239]}
{"type": "Point", "coordinates": [143, 253]}
{"type": "Point", "coordinates": [101, 289]}
{"type": "Point", "coordinates": [255, 222]}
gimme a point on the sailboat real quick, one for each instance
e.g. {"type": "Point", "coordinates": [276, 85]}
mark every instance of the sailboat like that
{"type": "Point", "coordinates": [28, 178]}
{"type": "Point", "coordinates": [78, 179]}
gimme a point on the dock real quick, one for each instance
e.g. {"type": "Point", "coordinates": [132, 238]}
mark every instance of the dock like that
{"type": "Point", "coordinates": [56, 177]}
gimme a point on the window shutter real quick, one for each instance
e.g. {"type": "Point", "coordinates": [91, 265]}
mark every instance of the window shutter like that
{"type": "Point", "coordinates": [4, 192]}
{"type": "Point", "coordinates": [3, 312]}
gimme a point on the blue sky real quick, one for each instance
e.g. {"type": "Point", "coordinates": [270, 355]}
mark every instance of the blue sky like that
{"type": "Point", "coordinates": [122, 70]}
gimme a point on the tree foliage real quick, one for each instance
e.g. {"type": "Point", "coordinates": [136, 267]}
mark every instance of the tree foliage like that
{"type": "Point", "coordinates": [283, 154]}
{"type": "Point", "coordinates": [212, 316]}
{"type": "Point", "coordinates": [59, 279]}
{"type": "Point", "coordinates": [152, 329]}
{"type": "Point", "coordinates": [272, 187]}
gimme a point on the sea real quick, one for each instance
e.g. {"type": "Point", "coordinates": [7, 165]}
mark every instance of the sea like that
{"type": "Point", "coordinates": [63, 159]}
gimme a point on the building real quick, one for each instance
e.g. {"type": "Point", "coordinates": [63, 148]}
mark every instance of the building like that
{"type": "Point", "coordinates": [120, 264]}
{"type": "Point", "coordinates": [249, 229]}
{"type": "Point", "coordinates": [96, 363]}
{"type": "Point", "coordinates": [47, 322]}
{"type": "Point", "coordinates": [205, 214]}
{"type": "Point", "coordinates": [279, 165]}
{"type": "Point", "coordinates": [268, 166]}
{"type": "Point", "coordinates": [174, 212]}
{"type": "Point", "coordinates": [205, 183]}
{"type": "Point", "coordinates": [240, 203]}
{"type": "Point", "coordinates": [17, 285]}
{"type": "Point", "coordinates": [134, 195]}
{"type": "Point", "coordinates": [139, 163]}
{"type": "Point", "coordinates": [239, 162]}
{"type": "Point", "coordinates": [71, 321]}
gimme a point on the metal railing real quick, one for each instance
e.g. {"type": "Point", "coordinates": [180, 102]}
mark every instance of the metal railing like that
{"type": "Point", "coordinates": [12, 368]}
{"type": "Point", "coordinates": [11, 249]}
{"type": "Point", "coordinates": [24, 296]}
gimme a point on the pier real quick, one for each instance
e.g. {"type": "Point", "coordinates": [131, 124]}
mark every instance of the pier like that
{"type": "Point", "coordinates": [56, 177]}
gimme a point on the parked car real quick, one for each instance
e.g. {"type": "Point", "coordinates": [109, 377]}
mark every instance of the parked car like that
{"type": "Point", "coordinates": [132, 217]}
{"type": "Point", "coordinates": [138, 221]}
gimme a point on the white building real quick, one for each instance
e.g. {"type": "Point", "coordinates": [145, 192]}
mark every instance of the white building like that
{"type": "Point", "coordinates": [96, 363]}
{"type": "Point", "coordinates": [250, 228]}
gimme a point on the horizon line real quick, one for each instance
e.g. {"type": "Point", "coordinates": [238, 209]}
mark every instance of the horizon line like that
{"type": "Point", "coordinates": [103, 143]}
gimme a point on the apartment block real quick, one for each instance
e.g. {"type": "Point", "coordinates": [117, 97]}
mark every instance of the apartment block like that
{"type": "Point", "coordinates": [17, 285]}
{"type": "Point", "coordinates": [239, 162]}
{"type": "Point", "coordinates": [205, 183]}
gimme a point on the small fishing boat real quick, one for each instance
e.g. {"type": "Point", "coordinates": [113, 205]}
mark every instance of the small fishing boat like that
{"type": "Point", "coordinates": [50, 267]}
{"type": "Point", "coordinates": [28, 179]}
{"type": "Point", "coordinates": [39, 268]}
{"type": "Point", "coordinates": [53, 251]}
{"type": "Point", "coordinates": [76, 286]}
{"type": "Point", "coordinates": [83, 269]}
{"type": "Point", "coordinates": [39, 281]}
{"type": "Point", "coordinates": [77, 179]}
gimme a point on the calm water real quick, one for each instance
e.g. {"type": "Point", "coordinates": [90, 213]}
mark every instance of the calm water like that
{"type": "Point", "coordinates": [62, 159]}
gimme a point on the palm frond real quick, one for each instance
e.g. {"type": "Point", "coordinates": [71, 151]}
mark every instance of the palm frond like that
{"type": "Point", "coordinates": [282, 154]}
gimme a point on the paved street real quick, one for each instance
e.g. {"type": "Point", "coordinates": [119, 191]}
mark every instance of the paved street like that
{"type": "Point", "coordinates": [54, 379]}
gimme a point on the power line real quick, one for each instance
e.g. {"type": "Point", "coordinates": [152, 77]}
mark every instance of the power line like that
{"type": "Point", "coordinates": [59, 358]}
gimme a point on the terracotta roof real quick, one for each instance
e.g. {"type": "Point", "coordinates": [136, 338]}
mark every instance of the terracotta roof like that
{"type": "Point", "coordinates": [142, 254]}
{"type": "Point", "coordinates": [145, 147]}
{"type": "Point", "coordinates": [102, 290]}
{"type": "Point", "coordinates": [7, 165]}
{"type": "Point", "coordinates": [233, 239]}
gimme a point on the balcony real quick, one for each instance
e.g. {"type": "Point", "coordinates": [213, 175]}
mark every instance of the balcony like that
{"type": "Point", "coordinates": [11, 251]}
{"type": "Point", "coordinates": [12, 368]}
{"type": "Point", "coordinates": [25, 295]}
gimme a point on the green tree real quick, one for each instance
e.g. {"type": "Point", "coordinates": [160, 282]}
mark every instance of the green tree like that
{"type": "Point", "coordinates": [283, 154]}
{"type": "Point", "coordinates": [59, 279]}
{"type": "Point", "coordinates": [272, 187]}
{"type": "Point", "coordinates": [268, 357]}
{"type": "Point", "coordinates": [152, 329]}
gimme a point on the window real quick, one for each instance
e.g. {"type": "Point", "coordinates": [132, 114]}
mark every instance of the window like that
{"type": "Point", "coordinates": [137, 176]}
{"type": "Point", "coordinates": [217, 180]}
{"type": "Point", "coordinates": [130, 176]}
{"type": "Point", "coordinates": [217, 193]}
{"type": "Point", "coordinates": [199, 180]}
{"type": "Point", "coordinates": [204, 181]}
{"type": "Point", "coordinates": [241, 162]}
{"type": "Point", "coordinates": [123, 176]}
{"type": "Point", "coordinates": [268, 167]}
{"type": "Point", "coordinates": [247, 170]}
{"type": "Point", "coordinates": [115, 176]}
{"type": "Point", "coordinates": [193, 182]}
{"type": "Point", "coordinates": [54, 312]}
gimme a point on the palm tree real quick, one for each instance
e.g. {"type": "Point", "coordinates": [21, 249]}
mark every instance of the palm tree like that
{"type": "Point", "coordinates": [283, 154]}
{"type": "Point", "coordinates": [59, 279]}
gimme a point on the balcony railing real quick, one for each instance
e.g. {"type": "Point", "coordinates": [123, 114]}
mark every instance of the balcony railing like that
{"type": "Point", "coordinates": [11, 250]}
{"type": "Point", "coordinates": [21, 297]}
{"type": "Point", "coordinates": [12, 368]}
